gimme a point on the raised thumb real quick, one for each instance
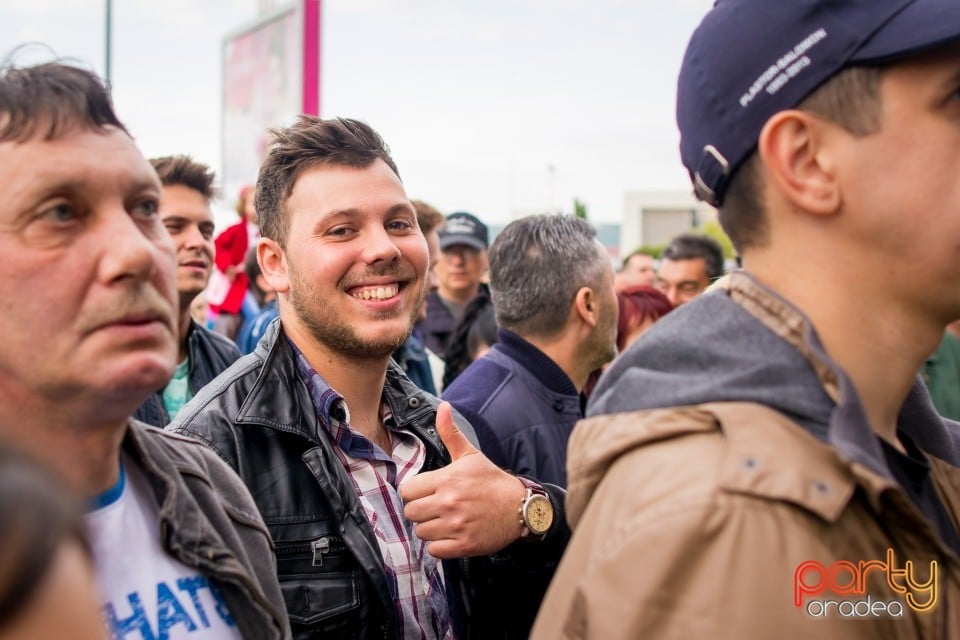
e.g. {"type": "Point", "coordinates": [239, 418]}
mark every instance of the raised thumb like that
{"type": "Point", "coordinates": [455, 442]}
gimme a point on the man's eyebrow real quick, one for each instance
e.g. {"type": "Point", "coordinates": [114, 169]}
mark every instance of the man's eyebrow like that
{"type": "Point", "coordinates": [73, 186]}
{"type": "Point", "coordinates": [405, 207]}
{"type": "Point", "coordinates": [178, 218]}
{"type": "Point", "coordinates": [340, 213]}
{"type": "Point", "coordinates": [352, 212]}
{"type": "Point", "coordinates": [145, 183]}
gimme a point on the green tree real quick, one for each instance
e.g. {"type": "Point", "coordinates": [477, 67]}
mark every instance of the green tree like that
{"type": "Point", "coordinates": [580, 208]}
{"type": "Point", "coordinates": [653, 250]}
{"type": "Point", "coordinates": [713, 229]}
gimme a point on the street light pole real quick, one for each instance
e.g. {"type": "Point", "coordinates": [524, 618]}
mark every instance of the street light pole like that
{"type": "Point", "coordinates": [108, 37]}
{"type": "Point", "coordinates": [552, 173]}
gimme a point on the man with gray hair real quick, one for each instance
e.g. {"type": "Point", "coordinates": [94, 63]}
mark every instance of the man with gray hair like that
{"type": "Point", "coordinates": [552, 288]}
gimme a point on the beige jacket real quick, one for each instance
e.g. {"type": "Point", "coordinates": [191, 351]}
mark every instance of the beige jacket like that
{"type": "Point", "coordinates": [708, 521]}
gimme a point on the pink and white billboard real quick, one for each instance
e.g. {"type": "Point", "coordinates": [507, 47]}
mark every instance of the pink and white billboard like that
{"type": "Point", "coordinates": [271, 74]}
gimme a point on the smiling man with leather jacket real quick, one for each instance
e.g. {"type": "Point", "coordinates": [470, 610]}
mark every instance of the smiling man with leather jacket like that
{"type": "Point", "coordinates": [372, 493]}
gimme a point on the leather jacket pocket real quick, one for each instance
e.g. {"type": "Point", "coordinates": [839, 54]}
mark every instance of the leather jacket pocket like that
{"type": "Point", "coordinates": [320, 586]}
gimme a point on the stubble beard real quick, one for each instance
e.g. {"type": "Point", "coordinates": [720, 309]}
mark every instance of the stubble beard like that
{"type": "Point", "coordinates": [603, 342]}
{"type": "Point", "coordinates": [329, 329]}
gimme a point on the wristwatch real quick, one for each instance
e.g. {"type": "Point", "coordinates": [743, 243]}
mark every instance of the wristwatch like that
{"type": "Point", "coordinates": [536, 511]}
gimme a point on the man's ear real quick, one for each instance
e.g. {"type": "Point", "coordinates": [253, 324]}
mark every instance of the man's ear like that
{"type": "Point", "coordinates": [586, 306]}
{"type": "Point", "coordinates": [796, 151]}
{"type": "Point", "coordinates": [273, 264]}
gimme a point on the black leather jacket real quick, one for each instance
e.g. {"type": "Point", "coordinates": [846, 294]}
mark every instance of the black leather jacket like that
{"type": "Point", "coordinates": [258, 416]}
{"type": "Point", "coordinates": [209, 354]}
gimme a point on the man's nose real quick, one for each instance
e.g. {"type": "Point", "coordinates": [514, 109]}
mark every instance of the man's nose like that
{"type": "Point", "coordinates": [128, 251]}
{"type": "Point", "coordinates": [380, 246]}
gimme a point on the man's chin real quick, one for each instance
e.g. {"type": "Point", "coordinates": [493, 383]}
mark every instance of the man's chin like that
{"type": "Point", "coordinates": [379, 347]}
{"type": "Point", "coordinates": [139, 376]}
{"type": "Point", "coordinates": [376, 346]}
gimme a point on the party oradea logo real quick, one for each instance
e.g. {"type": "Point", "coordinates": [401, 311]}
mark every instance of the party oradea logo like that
{"type": "Point", "coordinates": [841, 588]}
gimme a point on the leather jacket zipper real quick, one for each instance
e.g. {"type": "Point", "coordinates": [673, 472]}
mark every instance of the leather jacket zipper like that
{"type": "Point", "coordinates": [317, 548]}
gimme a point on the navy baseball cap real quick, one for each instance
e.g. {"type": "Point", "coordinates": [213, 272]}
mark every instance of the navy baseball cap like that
{"type": "Point", "coordinates": [750, 59]}
{"type": "Point", "coordinates": [463, 228]}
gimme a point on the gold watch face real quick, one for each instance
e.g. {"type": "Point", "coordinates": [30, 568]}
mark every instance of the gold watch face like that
{"type": "Point", "coordinates": [538, 515]}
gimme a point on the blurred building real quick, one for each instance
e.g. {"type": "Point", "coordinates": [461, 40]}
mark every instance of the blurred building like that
{"type": "Point", "coordinates": [651, 218]}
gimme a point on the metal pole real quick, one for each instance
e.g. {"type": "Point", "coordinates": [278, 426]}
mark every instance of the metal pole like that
{"type": "Point", "coordinates": [552, 171]}
{"type": "Point", "coordinates": [108, 37]}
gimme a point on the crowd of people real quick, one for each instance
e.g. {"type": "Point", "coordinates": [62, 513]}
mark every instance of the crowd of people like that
{"type": "Point", "coordinates": [349, 415]}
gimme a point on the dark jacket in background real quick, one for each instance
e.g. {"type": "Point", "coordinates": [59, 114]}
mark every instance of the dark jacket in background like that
{"type": "Point", "coordinates": [477, 327]}
{"type": "Point", "coordinates": [523, 408]}
{"type": "Point", "coordinates": [210, 354]}
{"type": "Point", "coordinates": [258, 416]}
{"type": "Point", "coordinates": [209, 522]}
{"type": "Point", "coordinates": [518, 397]}
{"type": "Point", "coordinates": [438, 327]}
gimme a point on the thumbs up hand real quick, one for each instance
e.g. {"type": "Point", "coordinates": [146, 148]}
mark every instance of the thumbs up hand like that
{"type": "Point", "coordinates": [456, 443]}
{"type": "Point", "coordinates": [468, 508]}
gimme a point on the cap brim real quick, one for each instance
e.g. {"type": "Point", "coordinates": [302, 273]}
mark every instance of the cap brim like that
{"type": "Point", "coordinates": [921, 25]}
{"type": "Point", "coordinates": [470, 241]}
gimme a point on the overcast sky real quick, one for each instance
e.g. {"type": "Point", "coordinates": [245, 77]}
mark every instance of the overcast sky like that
{"type": "Point", "coordinates": [477, 100]}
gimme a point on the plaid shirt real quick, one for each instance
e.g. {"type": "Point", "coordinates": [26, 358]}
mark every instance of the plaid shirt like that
{"type": "Point", "coordinates": [414, 577]}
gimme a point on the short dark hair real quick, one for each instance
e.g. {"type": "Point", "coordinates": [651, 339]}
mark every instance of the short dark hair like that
{"type": "Point", "coordinates": [429, 218]}
{"type": "Point", "coordinates": [308, 143]}
{"type": "Point", "coordinates": [185, 171]}
{"type": "Point", "coordinates": [850, 99]}
{"type": "Point", "coordinates": [51, 100]}
{"type": "Point", "coordinates": [537, 264]}
{"type": "Point", "coordinates": [691, 246]}
{"type": "Point", "coordinates": [251, 268]}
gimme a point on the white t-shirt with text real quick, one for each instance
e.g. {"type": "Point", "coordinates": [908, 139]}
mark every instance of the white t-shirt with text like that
{"type": "Point", "coordinates": [147, 594]}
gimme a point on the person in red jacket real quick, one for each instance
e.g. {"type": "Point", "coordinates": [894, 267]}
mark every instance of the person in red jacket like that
{"type": "Point", "coordinates": [232, 247]}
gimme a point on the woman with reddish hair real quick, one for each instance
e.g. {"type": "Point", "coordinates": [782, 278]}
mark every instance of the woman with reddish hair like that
{"type": "Point", "coordinates": [640, 307]}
